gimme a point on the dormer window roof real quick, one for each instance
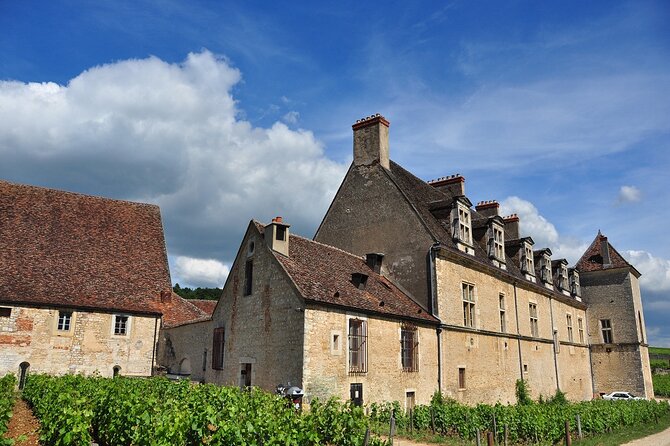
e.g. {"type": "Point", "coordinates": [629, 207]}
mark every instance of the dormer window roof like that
{"type": "Point", "coordinates": [527, 258]}
{"type": "Point", "coordinates": [575, 287]}
{"type": "Point", "coordinates": [560, 269]}
{"type": "Point", "coordinates": [543, 262]}
{"type": "Point", "coordinates": [496, 241]}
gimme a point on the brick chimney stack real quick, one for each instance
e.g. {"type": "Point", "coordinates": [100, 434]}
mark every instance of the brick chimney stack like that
{"type": "Point", "coordinates": [371, 141]}
{"type": "Point", "coordinates": [453, 185]}
{"type": "Point", "coordinates": [488, 208]}
{"type": "Point", "coordinates": [512, 226]}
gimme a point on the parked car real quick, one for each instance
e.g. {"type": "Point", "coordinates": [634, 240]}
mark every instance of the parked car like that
{"type": "Point", "coordinates": [621, 396]}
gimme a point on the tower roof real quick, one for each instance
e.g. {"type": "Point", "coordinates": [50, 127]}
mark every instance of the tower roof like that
{"type": "Point", "coordinates": [601, 256]}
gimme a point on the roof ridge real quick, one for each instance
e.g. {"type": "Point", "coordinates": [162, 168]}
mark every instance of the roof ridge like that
{"type": "Point", "coordinates": [78, 194]}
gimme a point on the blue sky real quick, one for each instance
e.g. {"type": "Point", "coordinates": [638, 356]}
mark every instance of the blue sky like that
{"type": "Point", "coordinates": [223, 112]}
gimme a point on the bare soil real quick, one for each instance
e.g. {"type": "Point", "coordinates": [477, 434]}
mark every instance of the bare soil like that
{"type": "Point", "coordinates": [23, 426]}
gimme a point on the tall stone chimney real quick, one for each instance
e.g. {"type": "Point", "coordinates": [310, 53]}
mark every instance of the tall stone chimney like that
{"type": "Point", "coordinates": [277, 235]}
{"type": "Point", "coordinates": [488, 208]}
{"type": "Point", "coordinates": [512, 226]}
{"type": "Point", "coordinates": [605, 251]}
{"type": "Point", "coordinates": [371, 141]}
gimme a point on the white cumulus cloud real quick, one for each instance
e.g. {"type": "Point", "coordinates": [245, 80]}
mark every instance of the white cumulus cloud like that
{"type": "Point", "coordinates": [208, 272]}
{"type": "Point", "coordinates": [655, 271]}
{"type": "Point", "coordinates": [171, 134]}
{"type": "Point", "coordinates": [629, 194]}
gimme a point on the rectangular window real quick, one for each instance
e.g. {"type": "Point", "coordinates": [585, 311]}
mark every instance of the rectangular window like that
{"type": "Point", "coordinates": [563, 279]}
{"type": "Point", "coordinates": [5, 312]}
{"type": "Point", "coordinates": [461, 378]}
{"type": "Point", "coordinates": [120, 325]}
{"type": "Point", "coordinates": [574, 284]}
{"type": "Point", "coordinates": [501, 306]}
{"type": "Point", "coordinates": [464, 225]}
{"type": "Point", "coordinates": [358, 346]}
{"type": "Point", "coordinates": [528, 264]}
{"type": "Point", "coordinates": [468, 305]}
{"type": "Point", "coordinates": [64, 320]}
{"type": "Point", "coordinates": [281, 233]}
{"type": "Point", "coordinates": [534, 330]}
{"type": "Point", "coordinates": [569, 322]}
{"type": "Point", "coordinates": [409, 348]}
{"type": "Point", "coordinates": [248, 277]}
{"type": "Point", "coordinates": [580, 328]}
{"type": "Point", "coordinates": [606, 327]}
{"type": "Point", "coordinates": [498, 243]}
{"type": "Point", "coordinates": [546, 269]}
{"type": "Point", "coordinates": [218, 347]}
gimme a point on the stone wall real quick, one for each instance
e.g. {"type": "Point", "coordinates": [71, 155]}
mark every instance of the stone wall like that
{"type": "Point", "coordinates": [30, 335]}
{"type": "Point", "coordinates": [327, 359]}
{"type": "Point", "coordinates": [369, 214]}
{"type": "Point", "coordinates": [493, 360]}
{"type": "Point", "coordinates": [186, 350]}
{"type": "Point", "coordinates": [264, 329]}
{"type": "Point", "coordinates": [624, 364]}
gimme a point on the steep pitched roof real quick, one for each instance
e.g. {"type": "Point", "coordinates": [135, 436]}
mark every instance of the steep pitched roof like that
{"type": "Point", "coordinates": [422, 197]}
{"type": "Point", "coordinates": [179, 311]}
{"type": "Point", "coordinates": [592, 259]}
{"type": "Point", "coordinates": [205, 305]}
{"type": "Point", "coordinates": [65, 249]}
{"type": "Point", "coordinates": [323, 274]}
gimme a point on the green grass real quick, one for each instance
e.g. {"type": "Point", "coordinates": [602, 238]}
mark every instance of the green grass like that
{"type": "Point", "coordinates": [661, 385]}
{"type": "Point", "coordinates": [659, 350]}
{"type": "Point", "coordinates": [626, 434]}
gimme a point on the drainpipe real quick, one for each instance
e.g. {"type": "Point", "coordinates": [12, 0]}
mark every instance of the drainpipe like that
{"type": "Point", "coordinates": [588, 343]}
{"type": "Point", "coordinates": [554, 338]}
{"type": "Point", "coordinates": [434, 309]}
{"type": "Point", "coordinates": [518, 332]}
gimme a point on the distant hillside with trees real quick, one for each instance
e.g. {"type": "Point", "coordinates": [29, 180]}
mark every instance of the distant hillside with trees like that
{"type": "Point", "coordinates": [198, 293]}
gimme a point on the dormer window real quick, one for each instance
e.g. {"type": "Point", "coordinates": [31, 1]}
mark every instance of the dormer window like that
{"type": "Point", "coordinates": [546, 269]}
{"type": "Point", "coordinates": [575, 288]}
{"type": "Point", "coordinates": [463, 226]}
{"type": "Point", "coordinates": [563, 277]}
{"type": "Point", "coordinates": [497, 242]}
{"type": "Point", "coordinates": [527, 263]}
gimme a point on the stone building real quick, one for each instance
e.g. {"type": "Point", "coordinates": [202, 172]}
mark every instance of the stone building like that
{"type": "Point", "coordinates": [507, 309]}
{"type": "Point", "coordinates": [619, 350]}
{"type": "Point", "coordinates": [297, 311]}
{"type": "Point", "coordinates": [84, 284]}
{"type": "Point", "coordinates": [483, 304]}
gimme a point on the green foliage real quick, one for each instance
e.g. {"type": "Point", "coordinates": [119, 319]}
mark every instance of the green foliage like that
{"type": "Point", "coordinates": [522, 393]}
{"type": "Point", "coordinates": [659, 351]}
{"type": "Point", "coordinates": [198, 293]}
{"type": "Point", "coordinates": [7, 385]}
{"type": "Point", "coordinates": [74, 410]}
{"type": "Point", "coordinates": [659, 364]}
{"type": "Point", "coordinates": [526, 422]}
{"type": "Point", "coordinates": [558, 398]}
{"type": "Point", "coordinates": [661, 385]}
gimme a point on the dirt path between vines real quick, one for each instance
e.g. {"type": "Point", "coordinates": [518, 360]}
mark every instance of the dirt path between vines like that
{"type": "Point", "coordinates": [660, 439]}
{"type": "Point", "coordinates": [23, 426]}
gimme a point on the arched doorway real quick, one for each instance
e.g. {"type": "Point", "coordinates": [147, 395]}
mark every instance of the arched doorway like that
{"type": "Point", "coordinates": [116, 371]}
{"type": "Point", "coordinates": [185, 367]}
{"type": "Point", "coordinates": [23, 374]}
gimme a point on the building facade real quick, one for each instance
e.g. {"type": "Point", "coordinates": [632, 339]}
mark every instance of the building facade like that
{"type": "Point", "coordinates": [84, 284]}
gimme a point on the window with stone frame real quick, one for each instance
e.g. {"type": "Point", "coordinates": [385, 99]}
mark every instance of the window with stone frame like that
{"type": "Point", "coordinates": [218, 348]}
{"type": "Point", "coordinates": [563, 277]}
{"type": "Point", "coordinates": [248, 277]}
{"type": "Point", "coordinates": [358, 346]}
{"type": "Point", "coordinates": [409, 348]}
{"type": "Point", "coordinates": [462, 225]}
{"type": "Point", "coordinates": [121, 322]}
{"type": "Point", "coordinates": [534, 327]}
{"type": "Point", "coordinates": [546, 269]}
{"type": "Point", "coordinates": [64, 320]}
{"type": "Point", "coordinates": [461, 378]}
{"type": "Point", "coordinates": [580, 329]}
{"type": "Point", "coordinates": [468, 304]}
{"type": "Point", "coordinates": [568, 320]}
{"type": "Point", "coordinates": [606, 330]}
{"type": "Point", "coordinates": [501, 307]}
{"type": "Point", "coordinates": [574, 284]}
{"type": "Point", "coordinates": [527, 263]}
{"type": "Point", "coordinates": [496, 242]}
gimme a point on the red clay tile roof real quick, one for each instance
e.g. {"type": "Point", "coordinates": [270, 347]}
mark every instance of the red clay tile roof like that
{"type": "Point", "coordinates": [205, 305]}
{"type": "Point", "coordinates": [66, 249]}
{"type": "Point", "coordinates": [179, 311]}
{"type": "Point", "coordinates": [323, 274]}
{"type": "Point", "coordinates": [592, 259]}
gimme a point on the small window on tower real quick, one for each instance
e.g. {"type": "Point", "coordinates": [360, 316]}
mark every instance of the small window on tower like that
{"type": "Point", "coordinates": [281, 233]}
